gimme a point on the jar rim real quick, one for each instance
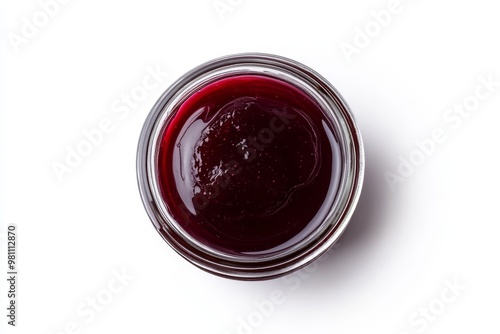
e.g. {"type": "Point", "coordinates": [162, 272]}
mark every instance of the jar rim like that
{"type": "Point", "coordinates": [241, 267]}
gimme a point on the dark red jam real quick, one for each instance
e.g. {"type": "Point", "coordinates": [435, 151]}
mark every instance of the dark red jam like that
{"type": "Point", "coordinates": [248, 165]}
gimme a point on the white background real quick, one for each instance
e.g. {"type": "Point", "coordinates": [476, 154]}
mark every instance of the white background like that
{"type": "Point", "coordinates": [402, 247]}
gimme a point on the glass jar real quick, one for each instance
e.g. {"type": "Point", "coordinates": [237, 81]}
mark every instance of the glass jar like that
{"type": "Point", "coordinates": [269, 225]}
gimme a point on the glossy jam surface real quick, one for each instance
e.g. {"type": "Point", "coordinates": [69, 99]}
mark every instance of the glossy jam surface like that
{"type": "Point", "coordinates": [248, 165]}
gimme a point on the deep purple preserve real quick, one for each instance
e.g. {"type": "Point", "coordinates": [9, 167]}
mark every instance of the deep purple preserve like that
{"type": "Point", "coordinates": [248, 164]}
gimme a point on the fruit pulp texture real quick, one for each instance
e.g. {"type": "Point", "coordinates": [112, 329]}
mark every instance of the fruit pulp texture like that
{"type": "Point", "coordinates": [248, 165]}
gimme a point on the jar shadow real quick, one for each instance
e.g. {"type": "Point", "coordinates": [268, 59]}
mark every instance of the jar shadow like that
{"type": "Point", "coordinates": [345, 261]}
{"type": "Point", "coordinates": [375, 194]}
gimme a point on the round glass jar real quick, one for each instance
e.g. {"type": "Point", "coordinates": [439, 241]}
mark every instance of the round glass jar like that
{"type": "Point", "coordinates": [250, 166]}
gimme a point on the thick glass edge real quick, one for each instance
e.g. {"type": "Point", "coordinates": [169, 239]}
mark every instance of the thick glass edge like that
{"type": "Point", "coordinates": [262, 270]}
